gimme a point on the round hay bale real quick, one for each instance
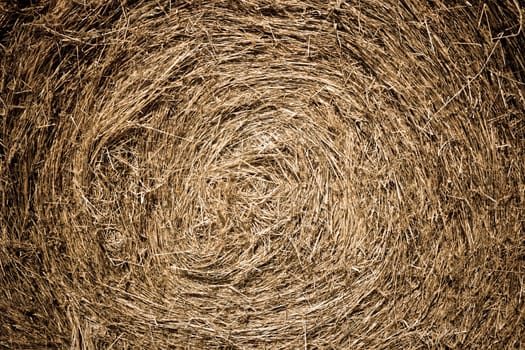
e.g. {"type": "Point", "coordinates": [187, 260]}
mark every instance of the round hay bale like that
{"type": "Point", "coordinates": [275, 174]}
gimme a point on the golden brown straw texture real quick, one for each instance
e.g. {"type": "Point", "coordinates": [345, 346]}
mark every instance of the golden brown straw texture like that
{"type": "Point", "coordinates": [278, 174]}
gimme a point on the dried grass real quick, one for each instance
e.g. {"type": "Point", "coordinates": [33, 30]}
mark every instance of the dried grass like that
{"type": "Point", "coordinates": [271, 174]}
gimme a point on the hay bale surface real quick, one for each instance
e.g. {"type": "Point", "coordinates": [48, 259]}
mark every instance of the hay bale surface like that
{"type": "Point", "coordinates": [270, 174]}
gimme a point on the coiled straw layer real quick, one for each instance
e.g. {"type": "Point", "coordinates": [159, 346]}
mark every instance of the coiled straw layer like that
{"type": "Point", "coordinates": [270, 174]}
